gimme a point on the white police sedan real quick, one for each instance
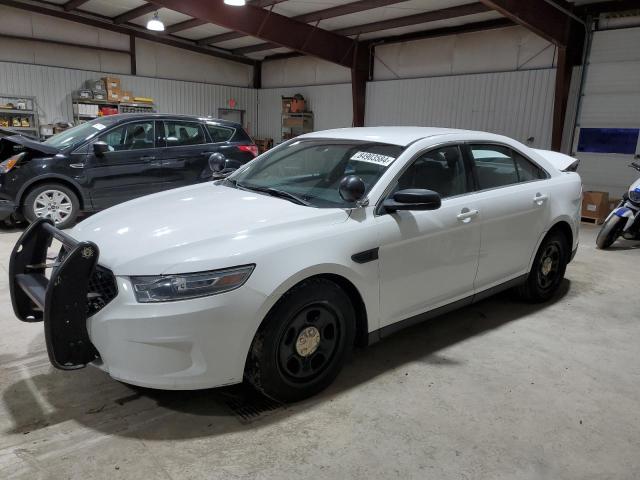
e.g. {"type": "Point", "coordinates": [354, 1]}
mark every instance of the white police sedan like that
{"type": "Point", "coordinates": [273, 273]}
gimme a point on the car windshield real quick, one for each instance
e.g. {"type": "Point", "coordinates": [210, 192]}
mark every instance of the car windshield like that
{"type": "Point", "coordinates": [310, 170]}
{"type": "Point", "coordinates": [80, 133]}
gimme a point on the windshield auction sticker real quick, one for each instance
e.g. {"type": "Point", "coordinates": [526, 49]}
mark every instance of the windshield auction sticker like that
{"type": "Point", "coordinates": [98, 126]}
{"type": "Point", "coordinates": [373, 158]}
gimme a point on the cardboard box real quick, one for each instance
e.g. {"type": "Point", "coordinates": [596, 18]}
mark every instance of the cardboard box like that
{"type": "Point", "coordinates": [114, 95]}
{"type": "Point", "coordinates": [297, 106]}
{"type": "Point", "coordinates": [96, 85]}
{"type": "Point", "coordinates": [296, 122]}
{"type": "Point", "coordinates": [111, 83]}
{"type": "Point", "coordinates": [595, 205]}
{"type": "Point", "coordinates": [127, 97]}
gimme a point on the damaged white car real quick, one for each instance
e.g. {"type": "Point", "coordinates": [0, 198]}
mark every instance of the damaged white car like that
{"type": "Point", "coordinates": [274, 273]}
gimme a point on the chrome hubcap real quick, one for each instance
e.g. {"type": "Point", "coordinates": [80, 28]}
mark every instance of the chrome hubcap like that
{"type": "Point", "coordinates": [53, 204]}
{"type": "Point", "coordinates": [308, 341]}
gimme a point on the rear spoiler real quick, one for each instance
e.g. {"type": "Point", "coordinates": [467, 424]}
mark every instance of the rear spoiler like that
{"type": "Point", "coordinates": [562, 162]}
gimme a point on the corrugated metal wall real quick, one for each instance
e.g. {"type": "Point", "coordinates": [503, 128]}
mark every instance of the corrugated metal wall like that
{"type": "Point", "coordinates": [517, 104]}
{"type": "Point", "coordinates": [53, 88]}
{"type": "Point", "coordinates": [330, 104]}
{"type": "Point", "coordinates": [611, 99]}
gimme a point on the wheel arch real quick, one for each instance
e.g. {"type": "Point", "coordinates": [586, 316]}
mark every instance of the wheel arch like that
{"type": "Point", "coordinates": [561, 225]}
{"type": "Point", "coordinates": [338, 277]}
{"type": "Point", "coordinates": [52, 178]}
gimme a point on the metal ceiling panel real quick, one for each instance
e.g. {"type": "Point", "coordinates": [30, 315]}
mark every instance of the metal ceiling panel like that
{"type": "Point", "coordinates": [110, 8]}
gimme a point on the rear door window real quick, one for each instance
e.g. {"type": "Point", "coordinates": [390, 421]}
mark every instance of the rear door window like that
{"type": "Point", "coordinates": [499, 166]}
{"type": "Point", "coordinates": [178, 133]}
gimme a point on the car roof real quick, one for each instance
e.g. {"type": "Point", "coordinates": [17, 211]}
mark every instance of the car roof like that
{"type": "Point", "coordinates": [402, 136]}
{"type": "Point", "coordinates": [164, 116]}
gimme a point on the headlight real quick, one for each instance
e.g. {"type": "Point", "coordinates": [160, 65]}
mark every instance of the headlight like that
{"type": "Point", "coordinates": [11, 162]}
{"type": "Point", "coordinates": [634, 195]}
{"type": "Point", "coordinates": [167, 288]}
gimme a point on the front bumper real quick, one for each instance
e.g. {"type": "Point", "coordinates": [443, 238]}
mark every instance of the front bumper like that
{"type": "Point", "coordinates": [188, 344]}
{"type": "Point", "coordinates": [180, 345]}
{"type": "Point", "coordinates": [61, 300]}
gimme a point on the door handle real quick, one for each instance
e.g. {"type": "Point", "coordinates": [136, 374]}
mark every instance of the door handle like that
{"type": "Point", "coordinates": [466, 215]}
{"type": "Point", "coordinates": [147, 158]}
{"type": "Point", "coordinates": [540, 198]}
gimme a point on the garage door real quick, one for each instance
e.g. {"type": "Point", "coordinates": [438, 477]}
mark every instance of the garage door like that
{"type": "Point", "coordinates": [606, 139]}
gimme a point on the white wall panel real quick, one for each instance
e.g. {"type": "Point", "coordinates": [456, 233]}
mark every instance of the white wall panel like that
{"type": "Point", "coordinates": [503, 49]}
{"type": "Point", "coordinates": [53, 88]}
{"type": "Point", "coordinates": [611, 99]}
{"type": "Point", "coordinates": [331, 106]}
{"type": "Point", "coordinates": [162, 61]}
{"type": "Point", "coordinates": [153, 59]}
{"type": "Point", "coordinates": [516, 104]}
{"type": "Point", "coordinates": [302, 71]}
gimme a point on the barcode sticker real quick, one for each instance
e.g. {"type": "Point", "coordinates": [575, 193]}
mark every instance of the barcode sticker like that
{"type": "Point", "coordinates": [373, 158]}
{"type": "Point", "coordinates": [98, 126]}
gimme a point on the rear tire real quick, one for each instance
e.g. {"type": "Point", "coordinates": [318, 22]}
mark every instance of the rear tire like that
{"type": "Point", "coordinates": [303, 343]}
{"type": "Point", "coordinates": [52, 200]}
{"type": "Point", "coordinates": [547, 271]}
{"type": "Point", "coordinates": [610, 232]}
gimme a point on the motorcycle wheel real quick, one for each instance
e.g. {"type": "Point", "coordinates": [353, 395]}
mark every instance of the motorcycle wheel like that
{"type": "Point", "coordinates": [610, 231]}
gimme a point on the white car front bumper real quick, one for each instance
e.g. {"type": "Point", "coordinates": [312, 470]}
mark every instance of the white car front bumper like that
{"type": "Point", "coordinates": [181, 345]}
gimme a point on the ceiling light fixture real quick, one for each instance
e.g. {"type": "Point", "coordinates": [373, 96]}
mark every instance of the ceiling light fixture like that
{"type": "Point", "coordinates": [235, 3]}
{"type": "Point", "coordinates": [155, 24]}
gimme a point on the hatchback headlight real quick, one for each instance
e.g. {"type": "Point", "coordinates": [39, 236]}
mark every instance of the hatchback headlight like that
{"type": "Point", "coordinates": [167, 288]}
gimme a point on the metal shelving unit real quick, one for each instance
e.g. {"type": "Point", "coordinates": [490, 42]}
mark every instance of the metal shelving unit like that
{"type": "Point", "coordinates": [122, 108]}
{"type": "Point", "coordinates": [294, 124]}
{"type": "Point", "coordinates": [29, 113]}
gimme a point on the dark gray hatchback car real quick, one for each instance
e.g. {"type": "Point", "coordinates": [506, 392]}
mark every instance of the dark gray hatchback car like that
{"type": "Point", "coordinates": [113, 159]}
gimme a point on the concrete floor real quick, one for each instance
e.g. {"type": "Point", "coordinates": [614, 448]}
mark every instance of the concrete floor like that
{"type": "Point", "coordinates": [500, 390]}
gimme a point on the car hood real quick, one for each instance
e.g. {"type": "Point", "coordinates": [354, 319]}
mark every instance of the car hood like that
{"type": "Point", "coordinates": [197, 228]}
{"type": "Point", "coordinates": [31, 144]}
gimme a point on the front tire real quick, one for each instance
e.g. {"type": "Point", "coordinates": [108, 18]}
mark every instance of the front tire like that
{"type": "Point", "coordinates": [303, 343]}
{"type": "Point", "coordinates": [610, 232]}
{"type": "Point", "coordinates": [547, 271]}
{"type": "Point", "coordinates": [52, 200]}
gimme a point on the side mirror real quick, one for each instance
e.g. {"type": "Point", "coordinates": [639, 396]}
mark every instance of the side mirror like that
{"type": "Point", "coordinates": [100, 148]}
{"type": "Point", "coordinates": [222, 166]}
{"type": "Point", "coordinates": [413, 199]}
{"type": "Point", "coordinates": [352, 188]}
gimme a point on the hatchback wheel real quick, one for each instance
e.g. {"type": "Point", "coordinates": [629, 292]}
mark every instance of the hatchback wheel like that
{"type": "Point", "coordinates": [548, 269]}
{"type": "Point", "coordinates": [54, 201]}
{"type": "Point", "coordinates": [303, 343]}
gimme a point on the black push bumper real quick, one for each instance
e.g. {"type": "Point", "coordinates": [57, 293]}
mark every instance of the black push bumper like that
{"type": "Point", "coordinates": [61, 300]}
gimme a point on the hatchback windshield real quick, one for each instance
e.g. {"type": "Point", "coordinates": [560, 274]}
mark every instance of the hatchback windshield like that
{"type": "Point", "coordinates": [311, 170]}
{"type": "Point", "coordinates": [80, 133]}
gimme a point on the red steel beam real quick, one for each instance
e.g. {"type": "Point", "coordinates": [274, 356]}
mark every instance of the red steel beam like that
{"type": "Point", "coordinates": [187, 24]}
{"type": "Point", "coordinates": [332, 12]}
{"type": "Point", "coordinates": [135, 13]}
{"type": "Point", "coordinates": [425, 17]}
{"type": "Point", "coordinates": [73, 4]}
{"type": "Point", "coordinates": [538, 16]}
{"type": "Point", "coordinates": [271, 27]}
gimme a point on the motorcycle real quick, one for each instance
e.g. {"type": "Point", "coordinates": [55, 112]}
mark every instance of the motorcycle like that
{"type": "Point", "coordinates": [624, 220]}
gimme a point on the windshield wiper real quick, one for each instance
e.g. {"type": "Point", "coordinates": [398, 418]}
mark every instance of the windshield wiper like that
{"type": "Point", "coordinates": [274, 192]}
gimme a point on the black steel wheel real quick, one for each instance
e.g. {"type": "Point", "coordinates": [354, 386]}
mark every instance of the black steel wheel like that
{"type": "Point", "coordinates": [547, 271]}
{"type": "Point", "coordinates": [303, 342]}
{"type": "Point", "coordinates": [309, 342]}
